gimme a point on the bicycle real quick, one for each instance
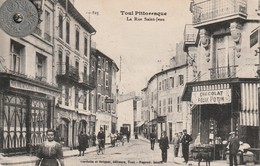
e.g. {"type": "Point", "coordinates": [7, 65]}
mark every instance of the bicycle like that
{"type": "Point", "coordinates": [100, 146]}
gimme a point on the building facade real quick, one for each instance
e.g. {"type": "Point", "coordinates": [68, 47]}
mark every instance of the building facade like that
{"type": "Point", "coordinates": [105, 93]}
{"type": "Point", "coordinates": [163, 109]}
{"type": "Point", "coordinates": [73, 113]}
{"type": "Point", "coordinates": [224, 97]}
{"type": "Point", "coordinates": [28, 89]}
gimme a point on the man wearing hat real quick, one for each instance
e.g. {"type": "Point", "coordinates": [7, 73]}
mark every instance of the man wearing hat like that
{"type": "Point", "coordinates": [186, 139]}
{"type": "Point", "coordinates": [233, 145]}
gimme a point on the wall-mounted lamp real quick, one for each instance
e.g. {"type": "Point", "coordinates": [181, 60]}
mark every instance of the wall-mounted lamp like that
{"type": "Point", "coordinates": [39, 6]}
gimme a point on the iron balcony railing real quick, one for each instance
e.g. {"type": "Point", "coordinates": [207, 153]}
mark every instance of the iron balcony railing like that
{"type": "Point", "coordinates": [216, 9]}
{"type": "Point", "coordinates": [87, 79]}
{"type": "Point", "coordinates": [223, 72]}
{"type": "Point", "coordinates": [190, 34]}
{"type": "Point", "coordinates": [68, 71]}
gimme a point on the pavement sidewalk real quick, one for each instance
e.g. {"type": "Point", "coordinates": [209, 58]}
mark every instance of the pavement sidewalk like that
{"type": "Point", "coordinates": [26, 159]}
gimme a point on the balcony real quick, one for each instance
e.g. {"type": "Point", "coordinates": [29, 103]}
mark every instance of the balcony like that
{"type": "Point", "coordinates": [67, 74]}
{"type": "Point", "coordinates": [223, 72]}
{"type": "Point", "coordinates": [47, 37]}
{"type": "Point", "coordinates": [87, 82]}
{"type": "Point", "coordinates": [38, 31]}
{"type": "Point", "coordinates": [190, 35]}
{"type": "Point", "coordinates": [213, 11]}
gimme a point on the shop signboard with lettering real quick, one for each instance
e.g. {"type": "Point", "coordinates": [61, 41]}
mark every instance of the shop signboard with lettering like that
{"type": "Point", "coordinates": [211, 97]}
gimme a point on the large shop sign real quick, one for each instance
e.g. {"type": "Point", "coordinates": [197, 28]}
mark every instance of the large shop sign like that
{"type": "Point", "coordinates": [211, 97]}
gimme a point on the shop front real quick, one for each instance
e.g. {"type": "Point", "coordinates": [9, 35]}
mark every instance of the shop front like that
{"type": "Point", "coordinates": [26, 112]}
{"type": "Point", "coordinates": [104, 121]}
{"type": "Point", "coordinates": [219, 107]}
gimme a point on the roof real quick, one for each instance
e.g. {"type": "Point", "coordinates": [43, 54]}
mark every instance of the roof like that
{"type": "Point", "coordinates": [99, 53]}
{"type": "Point", "coordinates": [77, 16]}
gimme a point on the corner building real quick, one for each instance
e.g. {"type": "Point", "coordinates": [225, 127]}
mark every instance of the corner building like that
{"type": "Point", "coordinates": [27, 86]}
{"type": "Point", "coordinates": [225, 95]}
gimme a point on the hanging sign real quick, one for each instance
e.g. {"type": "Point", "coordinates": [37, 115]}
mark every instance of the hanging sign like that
{"type": "Point", "coordinates": [211, 97]}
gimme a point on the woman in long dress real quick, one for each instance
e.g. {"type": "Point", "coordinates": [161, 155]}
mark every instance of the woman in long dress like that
{"type": "Point", "coordinates": [50, 152]}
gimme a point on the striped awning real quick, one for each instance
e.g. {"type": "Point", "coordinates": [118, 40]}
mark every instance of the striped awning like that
{"type": "Point", "coordinates": [249, 114]}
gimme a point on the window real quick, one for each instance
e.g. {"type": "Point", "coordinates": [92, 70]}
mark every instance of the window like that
{"type": "Point", "coordinates": [60, 26]}
{"type": "Point", "coordinates": [106, 79]}
{"type": "Point", "coordinates": [179, 106]}
{"type": "Point", "coordinates": [67, 96]}
{"type": "Point", "coordinates": [169, 104]}
{"type": "Point", "coordinates": [166, 83]}
{"type": "Point", "coordinates": [181, 80]}
{"type": "Point", "coordinates": [160, 85]}
{"type": "Point", "coordinates": [41, 67]}
{"type": "Point", "coordinates": [77, 40]}
{"type": "Point", "coordinates": [68, 32]}
{"type": "Point", "coordinates": [102, 103]}
{"type": "Point", "coordinates": [106, 65]}
{"type": "Point", "coordinates": [164, 106]}
{"type": "Point", "coordinates": [76, 98]}
{"type": "Point", "coordinates": [172, 82]}
{"type": "Point", "coordinates": [99, 101]}
{"type": "Point", "coordinates": [17, 51]}
{"type": "Point", "coordinates": [47, 26]}
{"type": "Point", "coordinates": [85, 46]}
{"type": "Point", "coordinates": [160, 107]}
{"type": "Point", "coordinates": [77, 67]}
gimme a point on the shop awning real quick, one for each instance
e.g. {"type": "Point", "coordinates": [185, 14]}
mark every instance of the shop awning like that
{"type": "Point", "coordinates": [139, 124]}
{"type": "Point", "coordinates": [249, 114]}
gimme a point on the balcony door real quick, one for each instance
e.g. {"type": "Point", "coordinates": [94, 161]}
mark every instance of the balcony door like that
{"type": "Point", "coordinates": [224, 57]}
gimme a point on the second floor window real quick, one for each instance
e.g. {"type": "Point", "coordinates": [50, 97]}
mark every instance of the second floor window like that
{"type": "Point", "coordinates": [40, 67]}
{"type": "Point", "coordinates": [67, 96]}
{"type": "Point", "coordinates": [68, 32]}
{"type": "Point", "coordinates": [17, 51]}
{"type": "Point", "coordinates": [179, 106]}
{"type": "Point", "coordinates": [181, 80]}
{"type": "Point", "coordinates": [76, 98]}
{"type": "Point", "coordinates": [60, 26]}
{"type": "Point", "coordinates": [106, 79]}
{"type": "Point", "coordinates": [77, 40]}
{"type": "Point", "coordinates": [172, 82]}
{"type": "Point", "coordinates": [85, 46]}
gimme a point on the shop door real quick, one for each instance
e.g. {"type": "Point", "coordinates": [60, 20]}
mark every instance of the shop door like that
{"type": "Point", "coordinates": [39, 121]}
{"type": "Point", "coordinates": [15, 120]}
{"type": "Point", "coordinates": [64, 130]}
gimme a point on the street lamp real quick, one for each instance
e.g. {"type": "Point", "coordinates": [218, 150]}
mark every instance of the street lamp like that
{"type": "Point", "coordinates": [39, 6]}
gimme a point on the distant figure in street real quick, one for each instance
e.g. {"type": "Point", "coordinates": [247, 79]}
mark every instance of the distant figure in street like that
{"type": "Point", "coordinates": [50, 152]}
{"type": "Point", "coordinates": [180, 148]}
{"type": "Point", "coordinates": [83, 142]}
{"type": "Point", "coordinates": [233, 144]}
{"type": "Point", "coordinates": [113, 138]}
{"type": "Point", "coordinates": [186, 139]}
{"type": "Point", "coordinates": [128, 136]}
{"type": "Point", "coordinates": [136, 135]}
{"type": "Point", "coordinates": [164, 146]}
{"type": "Point", "coordinates": [176, 144]}
{"type": "Point", "coordinates": [152, 139]}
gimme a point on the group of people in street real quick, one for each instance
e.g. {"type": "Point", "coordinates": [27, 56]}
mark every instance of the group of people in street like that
{"type": "Point", "coordinates": [180, 142]}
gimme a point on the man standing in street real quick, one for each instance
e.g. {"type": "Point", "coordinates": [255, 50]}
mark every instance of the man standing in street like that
{"type": "Point", "coordinates": [164, 146]}
{"type": "Point", "coordinates": [233, 143]}
{"type": "Point", "coordinates": [176, 144]}
{"type": "Point", "coordinates": [186, 139]}
{"type": "Point", "coordinates": [152, 139]}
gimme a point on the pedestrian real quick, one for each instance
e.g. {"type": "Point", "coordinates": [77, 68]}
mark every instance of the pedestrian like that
{"type": "Point", "coordinates": [152, 139]}
{"type": "Point", "coordinates": [113, 138]}
{"type": "Point", "coordinates": [136, 135]}
{"type": "Point", "coordinates": [186, 139]}
{"type": "Point", "coordinates": [164, 146]}
{"type": "Point", "coordinates": [101, 138]}
{"type": "Point", "coordinates": [83, 142]}
{"type": "Point", "coordinates": [50, 152]}
{"type": "Point", "coordinates": [128, 136]}
{"type": "Point", "coordinates": [94, 138]}
{"type": "Point", "coordinates": [180, 148]}
{"type": "Point", "coordinates": [176, 144]}
{"type": "Point", "coordinates": [233, 145]}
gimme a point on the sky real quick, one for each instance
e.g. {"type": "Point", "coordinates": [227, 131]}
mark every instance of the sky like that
{"type": "Point", "coordinates": [144, 45]}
